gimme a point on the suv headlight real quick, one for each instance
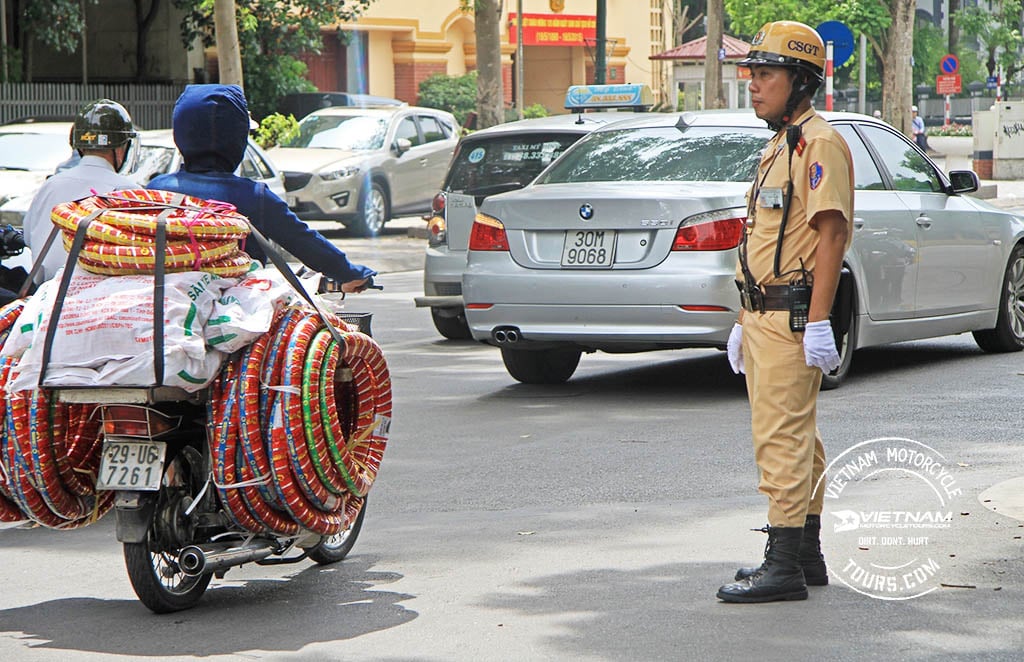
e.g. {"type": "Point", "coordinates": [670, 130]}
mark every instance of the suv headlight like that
{"type": "Point", "coordinates": [340, 173]}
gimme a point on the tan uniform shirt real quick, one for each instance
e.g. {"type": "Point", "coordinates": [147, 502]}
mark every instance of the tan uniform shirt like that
{"type": "Point", "coordinates": [822, 181]}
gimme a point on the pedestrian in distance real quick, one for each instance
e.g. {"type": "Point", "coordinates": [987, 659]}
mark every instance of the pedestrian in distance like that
{"type": "Point", "coordinates": [917, 129]}
{"type": "Point", "coordinates": [103, 134]}
{"type": "Point", "coordinates": [211, 127]}
{"type": "Point", "coordinates": [799, 215]}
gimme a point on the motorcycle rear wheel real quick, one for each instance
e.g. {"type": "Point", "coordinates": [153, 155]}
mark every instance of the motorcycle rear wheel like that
{"type": "Point", "coordinates": [332, 549]}
{"type": "Point", "coordinates": [159, 582]}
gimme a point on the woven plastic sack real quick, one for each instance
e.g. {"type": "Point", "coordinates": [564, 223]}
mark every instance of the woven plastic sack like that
{"type": "Point", "coordinates": [245, 310]}
{"type": "Point", "coordinates": [105, 333]}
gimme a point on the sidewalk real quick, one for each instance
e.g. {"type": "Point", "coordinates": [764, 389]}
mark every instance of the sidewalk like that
{"type": "Point", "coordinates": [1009, 193]}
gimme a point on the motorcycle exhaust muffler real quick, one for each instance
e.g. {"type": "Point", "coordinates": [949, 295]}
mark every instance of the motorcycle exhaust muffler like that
{"type": "Point", "coordinates": [196, 560]}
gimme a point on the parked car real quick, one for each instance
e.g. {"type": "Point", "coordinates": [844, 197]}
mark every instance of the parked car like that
{"type": "Point", "coordinates": [300, 104]}
{"type": "Point", "coordinates": [627, 244]}
{"type": "Point", "coordinates": [360, 166]}
{"type": "Point", "coordinates": [159, 155]}
{"type": "Point", "coordinates": [29, 153]}
{"type": "Point", "coordinates": [501, 158]}
{"type": "Point", "coordinates": [156, 155]}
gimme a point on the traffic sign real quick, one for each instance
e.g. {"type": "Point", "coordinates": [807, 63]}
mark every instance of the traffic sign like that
{"type": "Point", "coordinates": [949, 64]}
{"type": "Point", "coordinates": [947, 84]}
{"type": "Point", "coordinates": [842, 41]}
{"type": "Point", "coordinates": [992, 82]}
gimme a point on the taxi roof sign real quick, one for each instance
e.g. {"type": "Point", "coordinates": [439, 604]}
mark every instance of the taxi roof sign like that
{"type": "Point", "coordinates": [585, 97]}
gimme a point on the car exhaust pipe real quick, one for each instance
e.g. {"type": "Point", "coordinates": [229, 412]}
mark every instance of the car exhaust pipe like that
{"type": "Point", "coordinates": [196, 560]}
{"type": "Point", "coordinates": [506, 335]}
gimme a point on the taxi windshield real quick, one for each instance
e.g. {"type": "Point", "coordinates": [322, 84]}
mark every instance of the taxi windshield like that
{"type": "Point", "coordinates": [690, 154]}
{"type": "Point", "coordinates": [350, 132]}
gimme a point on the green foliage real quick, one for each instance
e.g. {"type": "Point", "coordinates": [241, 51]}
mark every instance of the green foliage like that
{"type": "Point", "coordinates": [272, 35]}
{"type": "Point", "coordinates": [999, 29]}
{"type": "Point", "coordinates": [56, 24]}
{"type": "Point", "coordinates": [929, 48]}
{"type": "Point", "coordinates": [535, 111]}
{"type": "Point", "coordinates": [276, 129]}
{"type": "Point", "coordinates": [456, 94]}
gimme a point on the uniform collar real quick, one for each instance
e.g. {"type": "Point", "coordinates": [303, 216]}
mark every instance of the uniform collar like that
{"type": "Point", "coordinates": [96, 161]}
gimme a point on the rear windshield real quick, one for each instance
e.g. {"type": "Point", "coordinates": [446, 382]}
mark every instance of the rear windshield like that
{"type": "Point", "coordinates": [483, 166]}
{"type": "Point", "coordinates": [690, 154]}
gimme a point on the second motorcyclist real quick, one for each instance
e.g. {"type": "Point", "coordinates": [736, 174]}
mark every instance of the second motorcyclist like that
{"type": "Point", "coordinates": [211, 128]}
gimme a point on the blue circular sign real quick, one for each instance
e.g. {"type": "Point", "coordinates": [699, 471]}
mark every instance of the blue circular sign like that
{"type": "Point", "coordinates": [477, 155]}
{"type": "Point", "coordinates": [949, 64]}
{"type": "Point", "coordinates": [842, 41]}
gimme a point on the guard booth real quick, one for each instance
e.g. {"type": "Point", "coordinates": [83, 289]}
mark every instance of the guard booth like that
{"type": "Point", "coordinates": [999, 141]}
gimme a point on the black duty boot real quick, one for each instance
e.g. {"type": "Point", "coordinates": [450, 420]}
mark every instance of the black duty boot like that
{"type": "Point", "coordinates": [780, 576]}
{"type": "Point", "coordinates": [811, 560]}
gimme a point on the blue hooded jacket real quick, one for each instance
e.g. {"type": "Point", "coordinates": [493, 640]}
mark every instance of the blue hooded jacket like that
{"type": "Point", "coordinates": [211, 128]}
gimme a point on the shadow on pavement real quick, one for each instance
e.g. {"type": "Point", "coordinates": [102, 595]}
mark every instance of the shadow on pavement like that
{"type": "Point", "coordinates": [318, 604]}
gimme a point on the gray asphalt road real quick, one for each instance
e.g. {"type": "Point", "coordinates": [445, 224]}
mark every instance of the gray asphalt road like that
{"type": "Point", "coordinates": [592, 521]}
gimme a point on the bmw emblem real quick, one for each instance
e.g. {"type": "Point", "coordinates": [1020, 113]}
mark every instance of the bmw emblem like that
{"type": "Point", "coordinates": [586, 211]}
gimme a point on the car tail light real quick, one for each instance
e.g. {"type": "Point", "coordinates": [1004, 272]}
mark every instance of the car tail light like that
{"type": "Point", "coordinates": [715, 231]}
{"type": "Point", "coordinates": [436, 231]}
{"type": "Point", "coordinates": [488, 234]}
{"type": "Point", "coordinates": [437, 204]}
{"type": "Point", "coordinates": [136, 421]}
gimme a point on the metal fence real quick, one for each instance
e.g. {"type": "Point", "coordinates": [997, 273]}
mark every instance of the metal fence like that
{"type": "Point", "coordinates": [150, 105]}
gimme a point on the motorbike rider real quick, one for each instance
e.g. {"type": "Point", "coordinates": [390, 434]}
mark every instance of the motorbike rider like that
{"type": "Point", "coordinates": [102, 134]}
{"type": "Point", "coordinates": [211, 127]}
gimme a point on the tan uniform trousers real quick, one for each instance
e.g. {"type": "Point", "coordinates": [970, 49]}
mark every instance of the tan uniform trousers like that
{"type": "Point", "coordinates": [783, 393]}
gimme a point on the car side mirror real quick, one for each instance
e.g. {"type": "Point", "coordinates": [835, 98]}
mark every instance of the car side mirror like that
{"type": "Point", "coordinates": [964, 181]}
{"type": "Point", "coordinates": [401, 146]}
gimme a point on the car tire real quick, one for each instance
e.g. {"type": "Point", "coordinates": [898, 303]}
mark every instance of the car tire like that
{"type": "Point", "coordinates": [374, 211]}
{"type": "Point", "coordinates": [541, 366]}
{"type": "Point", "coordinates": [845, 344]}
{"type": "Point", "coordinates": [1008, 334]}
{"type": "Point", "coordinates": [452, 327]}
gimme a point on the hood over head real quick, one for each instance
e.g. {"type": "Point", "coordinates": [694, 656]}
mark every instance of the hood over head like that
{"type": "Point", "coordinates": [211, 127]}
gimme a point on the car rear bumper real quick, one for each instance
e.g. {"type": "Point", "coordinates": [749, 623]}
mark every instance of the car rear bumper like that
{"type": "Point", "coordinates": [442, 278]}
{"type": "Point", "coordinates": [610, 328]}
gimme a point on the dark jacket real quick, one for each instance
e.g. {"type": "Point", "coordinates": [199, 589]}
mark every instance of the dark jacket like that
{"type": "Point", "coordinates": [211, 128]}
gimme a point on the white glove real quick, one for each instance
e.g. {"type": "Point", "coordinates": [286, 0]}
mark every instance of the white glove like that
{"type": "Point", "coordinates": [820, 346]}
{"type": "Point", "coordinates": [735, 349]}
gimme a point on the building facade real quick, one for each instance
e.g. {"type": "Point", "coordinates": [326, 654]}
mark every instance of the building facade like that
{"type": "Point", "coordinates": [396, 44]}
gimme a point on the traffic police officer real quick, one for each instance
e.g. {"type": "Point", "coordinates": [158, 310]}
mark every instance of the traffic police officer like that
{"type": "Point", "coordinates": [800, 210]}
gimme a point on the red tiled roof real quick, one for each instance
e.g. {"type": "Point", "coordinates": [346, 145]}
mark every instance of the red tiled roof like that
{"type": "Point", "coordinates": [735, 49]}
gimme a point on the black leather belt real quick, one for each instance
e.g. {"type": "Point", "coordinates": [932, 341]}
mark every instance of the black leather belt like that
{"type": "Point", "coordinates": [772, 297]}
{"type": "Point", "coordinates": [776, 297]}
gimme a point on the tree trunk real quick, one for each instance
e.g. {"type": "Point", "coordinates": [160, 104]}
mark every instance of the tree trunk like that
{"type": "Point", "coordinates": [714, 96]}
{"type": "Point", "coordinates": [954, 30]}
{"type": "Point", "coordinates": [143, 21]}
{"type": "Point", "coordinates": [229, 56]}
{"type": "Point", "coordinates": [898, 79]}
{"type": "Point", "coordinates": [490, 103]}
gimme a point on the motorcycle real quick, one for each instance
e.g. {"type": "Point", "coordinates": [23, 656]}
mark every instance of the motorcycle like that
{"type": "Point", "coordinates": [176, 530]}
